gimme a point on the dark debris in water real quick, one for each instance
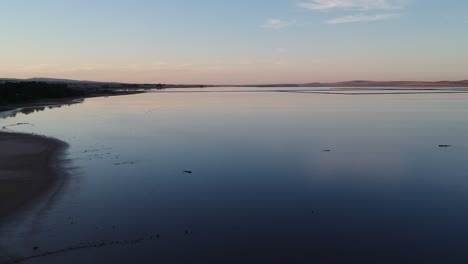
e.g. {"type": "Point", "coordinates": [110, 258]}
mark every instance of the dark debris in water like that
{"type": "Point", "coordinates": [96, 153]}
{"type": "Point", "coordinates": [445, 146]}
{"type": "Point", "coordinates": [17, 124]}
{"type": "Point", "coordinates": [125, 163]}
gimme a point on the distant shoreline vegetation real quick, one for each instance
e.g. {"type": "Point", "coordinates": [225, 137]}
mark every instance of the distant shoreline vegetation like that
{"type": "Point", "coordinates": [24, 92]}
{"type": "Point", "coordinates": [16, 92]}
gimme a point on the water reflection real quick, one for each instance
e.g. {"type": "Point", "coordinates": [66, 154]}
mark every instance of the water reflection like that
{"type": "Point", "coordinates": [262, 188]}
{"type": "Point", "coordinates": [34, 109]}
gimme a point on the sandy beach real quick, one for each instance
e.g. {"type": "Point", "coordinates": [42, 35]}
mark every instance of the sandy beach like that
{"type": "Point", "coordinates": [26, 169]}
{"type": "Point", "coordinates": [27, 161]}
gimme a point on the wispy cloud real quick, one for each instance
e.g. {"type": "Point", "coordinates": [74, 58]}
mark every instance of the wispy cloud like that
{"type": "Point", "coordinates": [365, 6]}
{"type": "Point", "coordinates": [353, 4]}
{"type": "Point", "coordinates": [362, 18]}
{"type": "Point", "coordinates": [275, 23]}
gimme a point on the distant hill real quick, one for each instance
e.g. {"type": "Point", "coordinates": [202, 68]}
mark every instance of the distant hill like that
{"type": "Point", "coordinates": [60, 81]}
{"type": "Point", "coordinates": [95, 84]}
{"type": "Point", "coordinates": [346, 84]}
{"type": "Point", "coordinates": [463, 83]}
{"type": "Point", "coordinates": [369, 84]}
{"type": "Point", "coordinates": [53, 80]}
{"type": "Point", "coordinates": [23, 92]}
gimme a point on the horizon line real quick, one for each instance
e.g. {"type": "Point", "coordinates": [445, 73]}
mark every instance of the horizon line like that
{"type": "Point", "coordinates": [239, 84]}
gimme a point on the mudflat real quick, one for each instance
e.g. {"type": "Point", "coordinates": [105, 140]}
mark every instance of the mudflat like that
{"type": "Point", "coordinates": [27, 169]}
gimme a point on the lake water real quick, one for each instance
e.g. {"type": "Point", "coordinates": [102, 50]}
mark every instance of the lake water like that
{"type": "Point", "coordinates": [277, 177]}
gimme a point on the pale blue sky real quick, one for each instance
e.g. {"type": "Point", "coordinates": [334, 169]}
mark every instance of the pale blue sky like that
{"type": "Point", "coordinates": [243, 41]}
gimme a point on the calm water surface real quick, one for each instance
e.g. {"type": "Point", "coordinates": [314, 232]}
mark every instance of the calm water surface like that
{"type": "Point", "coordinates": [263, 188]}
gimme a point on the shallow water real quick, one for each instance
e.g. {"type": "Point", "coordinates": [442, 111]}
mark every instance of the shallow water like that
{"type": "Point", "coordinates": [277, 177]}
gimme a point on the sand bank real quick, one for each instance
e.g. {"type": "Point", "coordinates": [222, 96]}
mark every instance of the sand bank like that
{"type": "Point", "coordinates": [28, 168]}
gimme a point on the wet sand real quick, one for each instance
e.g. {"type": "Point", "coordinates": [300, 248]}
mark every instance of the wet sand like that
{"type": "Point", "coordinates": [27, 169]}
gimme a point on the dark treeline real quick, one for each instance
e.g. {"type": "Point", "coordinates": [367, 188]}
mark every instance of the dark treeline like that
{"type": "Point", "coordinates": [19, 92]}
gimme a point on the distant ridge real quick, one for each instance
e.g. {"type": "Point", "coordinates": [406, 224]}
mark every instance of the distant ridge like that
{"type": "Point", "coordinates": [53, 80]}
{"type": "Point", "coordinates": [98, 85]}
{"type": "Point", "coordinates": [363, 83]}
{"type": "Point", "coordinates": [50, 80]}
{"type": "Point", "coordinates": [398, 84]}
{"type": "Point", "coordinates": [350, 84]}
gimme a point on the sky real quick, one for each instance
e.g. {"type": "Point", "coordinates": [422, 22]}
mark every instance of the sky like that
{"type": "Point", "coordinates": [234, 41]}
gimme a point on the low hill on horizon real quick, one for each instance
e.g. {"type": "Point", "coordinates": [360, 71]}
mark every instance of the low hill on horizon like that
{"type": "Point", "coordinates": [369, 84]}
{"type": "Point", "coordinates": [345, 84]}
{"type": "Point", "coordinates": [84, 84]}
{"type": "Point", "coordinates": [463, 83]}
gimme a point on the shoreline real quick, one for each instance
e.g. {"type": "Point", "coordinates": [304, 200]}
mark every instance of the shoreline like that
{"type": "Point", "coordinates": [29, 168]}
{"type": "Point", "coordinates": [62, 101]}
{"type": "Point", "coordinates": [30, 164]}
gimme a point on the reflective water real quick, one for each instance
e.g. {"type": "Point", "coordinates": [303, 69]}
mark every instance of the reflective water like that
{"type": "Point", "coordinates": [276, 178]}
